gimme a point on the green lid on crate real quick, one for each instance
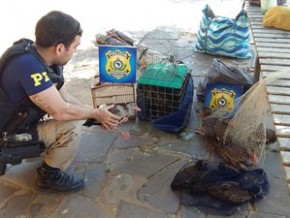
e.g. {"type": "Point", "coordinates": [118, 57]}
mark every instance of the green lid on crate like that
{"type": "Point", "coordinates": [164, 75]}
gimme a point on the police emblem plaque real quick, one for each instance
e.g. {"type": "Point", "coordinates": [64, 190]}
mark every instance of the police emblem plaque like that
{"type": "Point", "coordinates": [117, 64]}
{"type": "Point", "coordinates": [222, 96]}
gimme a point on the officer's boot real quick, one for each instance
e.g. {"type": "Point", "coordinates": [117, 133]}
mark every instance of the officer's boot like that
{"type": "Point", "coordinates": [53, 179]}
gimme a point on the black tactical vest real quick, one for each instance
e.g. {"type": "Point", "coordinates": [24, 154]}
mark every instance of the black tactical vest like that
{"type": "Point", "coordinates": [24, 113]}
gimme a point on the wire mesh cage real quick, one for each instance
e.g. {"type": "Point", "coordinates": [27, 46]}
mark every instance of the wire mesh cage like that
{"type": "Point", "coordinates": [161, 89]}
{"type": "Point", "coordinates": [156, 45]}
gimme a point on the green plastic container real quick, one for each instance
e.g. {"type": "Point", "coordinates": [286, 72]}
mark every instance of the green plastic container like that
{"type": "Point", "coordinates": [164, 75]}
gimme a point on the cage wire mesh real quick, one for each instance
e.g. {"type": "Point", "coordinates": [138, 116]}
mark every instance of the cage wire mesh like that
{"type": "Point", "coordinates": [160, 98]}
{"type": "Point", "coordinates": [156, 46]}
{"type": "Point", "coordinates": [162, 88]}
{"type": "Point", "coordinates": [161, 101]}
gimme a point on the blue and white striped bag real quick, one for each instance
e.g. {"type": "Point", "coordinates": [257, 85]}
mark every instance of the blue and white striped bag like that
{"type": "Point", "coordinates": [224, 36]}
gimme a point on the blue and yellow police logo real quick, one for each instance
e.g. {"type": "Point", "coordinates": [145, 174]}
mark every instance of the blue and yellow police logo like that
{"type": "Point", "coordinates": [118, 63]}
{"type": "Point", "coordinates": [222, 98]}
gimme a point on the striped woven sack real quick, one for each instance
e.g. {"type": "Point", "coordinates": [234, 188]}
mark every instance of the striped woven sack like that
{"type": "Point", "coordinates": [224, 36]}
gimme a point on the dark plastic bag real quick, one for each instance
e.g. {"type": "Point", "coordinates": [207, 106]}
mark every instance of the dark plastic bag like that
{"type": "Point", "coordinates": [221, 73]}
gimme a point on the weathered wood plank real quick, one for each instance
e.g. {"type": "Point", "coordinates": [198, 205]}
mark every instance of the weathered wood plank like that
{"type": "Point", "coordinates": [253, 9]}
{"type": "Point", "coordinates": [285, 156]}
{"type": "Point", "coordinates": [280, 109]}
{"type": "Point", "coordinates": [281, 119]}
{"type": "Point", "coordinates": [284, 91]}
{"type": "Point", "coordinates": [266, 54]}
{"type": "Point", "coordinates": [273, 36]}
{"type": "Point", "coordinates": [274, 68]}
{"type": "Point", "coordinates": [256, 21]}
{"type": "Point", "coordinates": [287, 174]}
{"type": "Point", "coordinates": [280, 83]}
{"type": "Point", "coordinates": [275, 50]}
{"type": "Point", "coordinates": [256, 26]}
{"type": "Point", "coordinates": [282, 131]}
{"type": "Point", "coordinates": [253, 13]}
{"type": "Point", "coordinates": [279, 99]}
{"type": "Point", "coordinates": [270, 40]}
{"type": "Point", "coordinates": [255, 18]}
{"type": "Point", "coordinates": [269, 31]}
{"type": "Point", "coordinates": [282, 75]}
{"type": "Point", "coordinates": [274, 61]}
{"type": "Point", "coordinates": [273, 45]}
{"type": "Point", "coordinates": [284, 143]}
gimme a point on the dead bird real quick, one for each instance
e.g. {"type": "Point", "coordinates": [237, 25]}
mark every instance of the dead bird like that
{"type": "Point", "coordinates": [270, 136]}
{"type": "Point", "coordinates": [125, 111]}
{"type": "Point", "coordinates": [236, 156]}
{"type": "Point", "coordinates": [213, 127]}
{"type": "Point", "coordinates": [189, 175]}
{"type": "Point", "coordinates": [239, 152]}
{"type": "Point", "coordinates": [244, 151]}
{"type": "Point", "coordinates": [230, 191]}
{"type": "Point", "coordinates": [251, 185]}
{"type": "Point", "coordinates": [218, 188]}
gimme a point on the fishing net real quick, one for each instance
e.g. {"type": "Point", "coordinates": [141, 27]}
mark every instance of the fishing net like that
{"type": "Point", "coordinates": [246, 132]}
{"type": "Point", "coordinates": [242, 135]}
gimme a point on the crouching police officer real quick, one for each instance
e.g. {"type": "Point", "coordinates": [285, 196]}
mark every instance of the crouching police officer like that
{"type": "Point", "coordinates": [33, 81]}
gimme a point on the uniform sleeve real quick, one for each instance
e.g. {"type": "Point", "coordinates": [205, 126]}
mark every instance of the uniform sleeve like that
{"type": "Point", "coordinates": [32, 75]}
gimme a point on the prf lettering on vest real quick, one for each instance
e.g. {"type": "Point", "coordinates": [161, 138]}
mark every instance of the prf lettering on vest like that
{"type": "Point", "coordinates": [39, 77]}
